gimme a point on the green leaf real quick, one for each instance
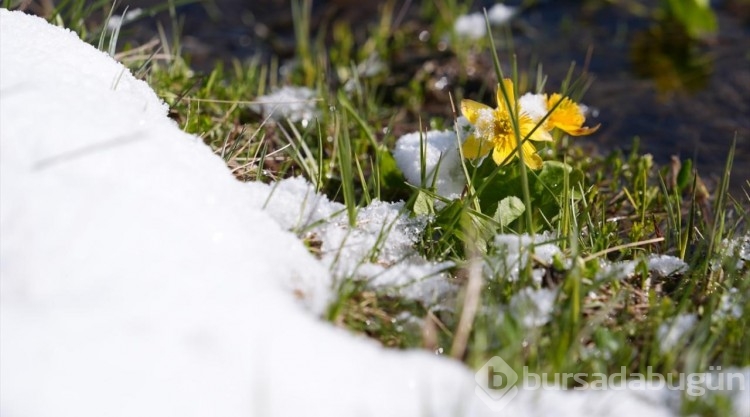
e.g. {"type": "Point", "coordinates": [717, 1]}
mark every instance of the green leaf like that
{"type": "Point", "coordinates": [390, 175]}
{"type": "Point", "coordinates": [423, 204]}
{"type": "Point", "coordinates": [685, 176]}
{"type": "Point", "coordinates": [695, 15]}
{"type": "Point", "coordinates": [508, 210]}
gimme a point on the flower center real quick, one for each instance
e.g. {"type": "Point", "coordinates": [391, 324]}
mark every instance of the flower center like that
{"type": "Point", "coordinates": [502, 125]}
{"type": "Point", "coordinates": [493, 125]}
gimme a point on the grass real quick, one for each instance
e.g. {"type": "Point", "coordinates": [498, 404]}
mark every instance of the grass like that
{"type": "Point", "coordinates": [603, 209]}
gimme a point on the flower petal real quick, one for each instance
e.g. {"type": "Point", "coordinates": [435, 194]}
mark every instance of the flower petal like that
{"type": "Point", "coordinates": [580, 131]}
{"type": "Point", "coordinates": [504, 152]}
{"type": "Point", "coordinates": [471, 109]}
{"type": "Point", "coordinates": [501, 102]}
{"type": "Point", "coordinates": [530, 157]}
{"type": "Point", "coordinates": [567, 116]}
{"type": "Point", "coordinates": [540, 134]}
{"type": "Point", "coordinates": [474, 147]}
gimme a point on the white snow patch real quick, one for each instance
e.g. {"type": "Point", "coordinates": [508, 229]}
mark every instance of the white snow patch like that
{"type": "Point", "coordinates": [500, 14]}
{"type": "Point", "coordinates": [470, 26]}
{"type": "Point", "coordinates": [665, 265]}
{"type": "Point", "coordinates": [661, 265]}
{"type": "Point", "coordinates": [473, 25]}
{"type": "Point", "coordinates": [512, 252]}
{"type": "Point", "coordinates": [738, 247]}
{"type": "Point", "coordinates": [729, 305]}
{"type": "Point", "coordinates": [534, 105]}
{"type": "Point", "coordinates": [441, 160]}
{"type": "Point", "coordinates": [298, 104]}
{"type": "Point", "coordinates": [379, 249]}
{"type": "Point", "coordinates": [532, 307]}
{"type": "Point", "coordinates": [671, 333]}
{"type": "Point", "coordinates": [115, 22]}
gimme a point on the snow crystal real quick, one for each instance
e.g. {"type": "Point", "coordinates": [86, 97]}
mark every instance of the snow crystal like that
{"type": "Point", "coordinates": [671, 333]}
{"type": "Point", "coordinates": [298, 104]}
{"type": "Point", "coordinates": [441, 160]}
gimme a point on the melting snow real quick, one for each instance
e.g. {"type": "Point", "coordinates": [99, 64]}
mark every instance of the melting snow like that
{"type": "Point", "coordinates": [298, 104]}
{"type": "Point", "coordinates": [441, 160]}
{"type": "Point", "coordinates": [512, 252]}
{"type": "Point", "coordinates": [671, 334]}
{"type": "Point", "coordinates": [532, 307]}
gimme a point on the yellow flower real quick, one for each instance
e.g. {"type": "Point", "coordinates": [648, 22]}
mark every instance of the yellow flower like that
{"type": "Point", "coordinates": [493, 130]}
{"type": "Point", "coordinates": [567, 116]}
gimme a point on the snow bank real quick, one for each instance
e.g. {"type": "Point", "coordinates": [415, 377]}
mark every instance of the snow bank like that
{"type": "Point", "coordinates": [138, 279]}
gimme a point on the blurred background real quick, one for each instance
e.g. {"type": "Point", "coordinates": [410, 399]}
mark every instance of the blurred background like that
{"type": "Point", "coordinates": [669, 76]}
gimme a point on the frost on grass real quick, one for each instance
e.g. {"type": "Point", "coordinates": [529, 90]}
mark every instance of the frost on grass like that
{"type": "Point", "coordinates": [438, 152]}
{"type": "Point", "coordinates": [379, 249]}
{"type": "Point", "coordinates": [297, 104]}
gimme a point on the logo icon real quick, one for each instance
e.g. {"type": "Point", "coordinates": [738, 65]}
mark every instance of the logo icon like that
{"type": "Point", "coordinates": [496, 383]}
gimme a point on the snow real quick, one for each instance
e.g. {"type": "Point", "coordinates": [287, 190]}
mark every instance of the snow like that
{"type": "Point", "coordinates": [512, 253]}
{"type": "Point", "coordinates": [442, 161]}
{"type": "Point", "coordinates": [532, 307]}
{"type": "Point", "coordinates": [670, 334]}
{"type": "Point", "coordinates": [473, 25]}
{"type": "Point", "coordinates": [115, 22]}
{"type": "Point", "coordinates": [665, 265]}
{"type": "Point", "coordinates": [534, 105]}
{"type": "Point", "coordinates": [378, 250]}
{"type": "Point", "coordinates": [297, 104]}
{"type": "Point", "coordinates": [140, 278]}
{"type": "Point", "coordinates": [660, 265]}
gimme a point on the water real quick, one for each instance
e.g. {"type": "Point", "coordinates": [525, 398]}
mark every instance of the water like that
{"type": "Point", "coordinates": [650, 81]}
